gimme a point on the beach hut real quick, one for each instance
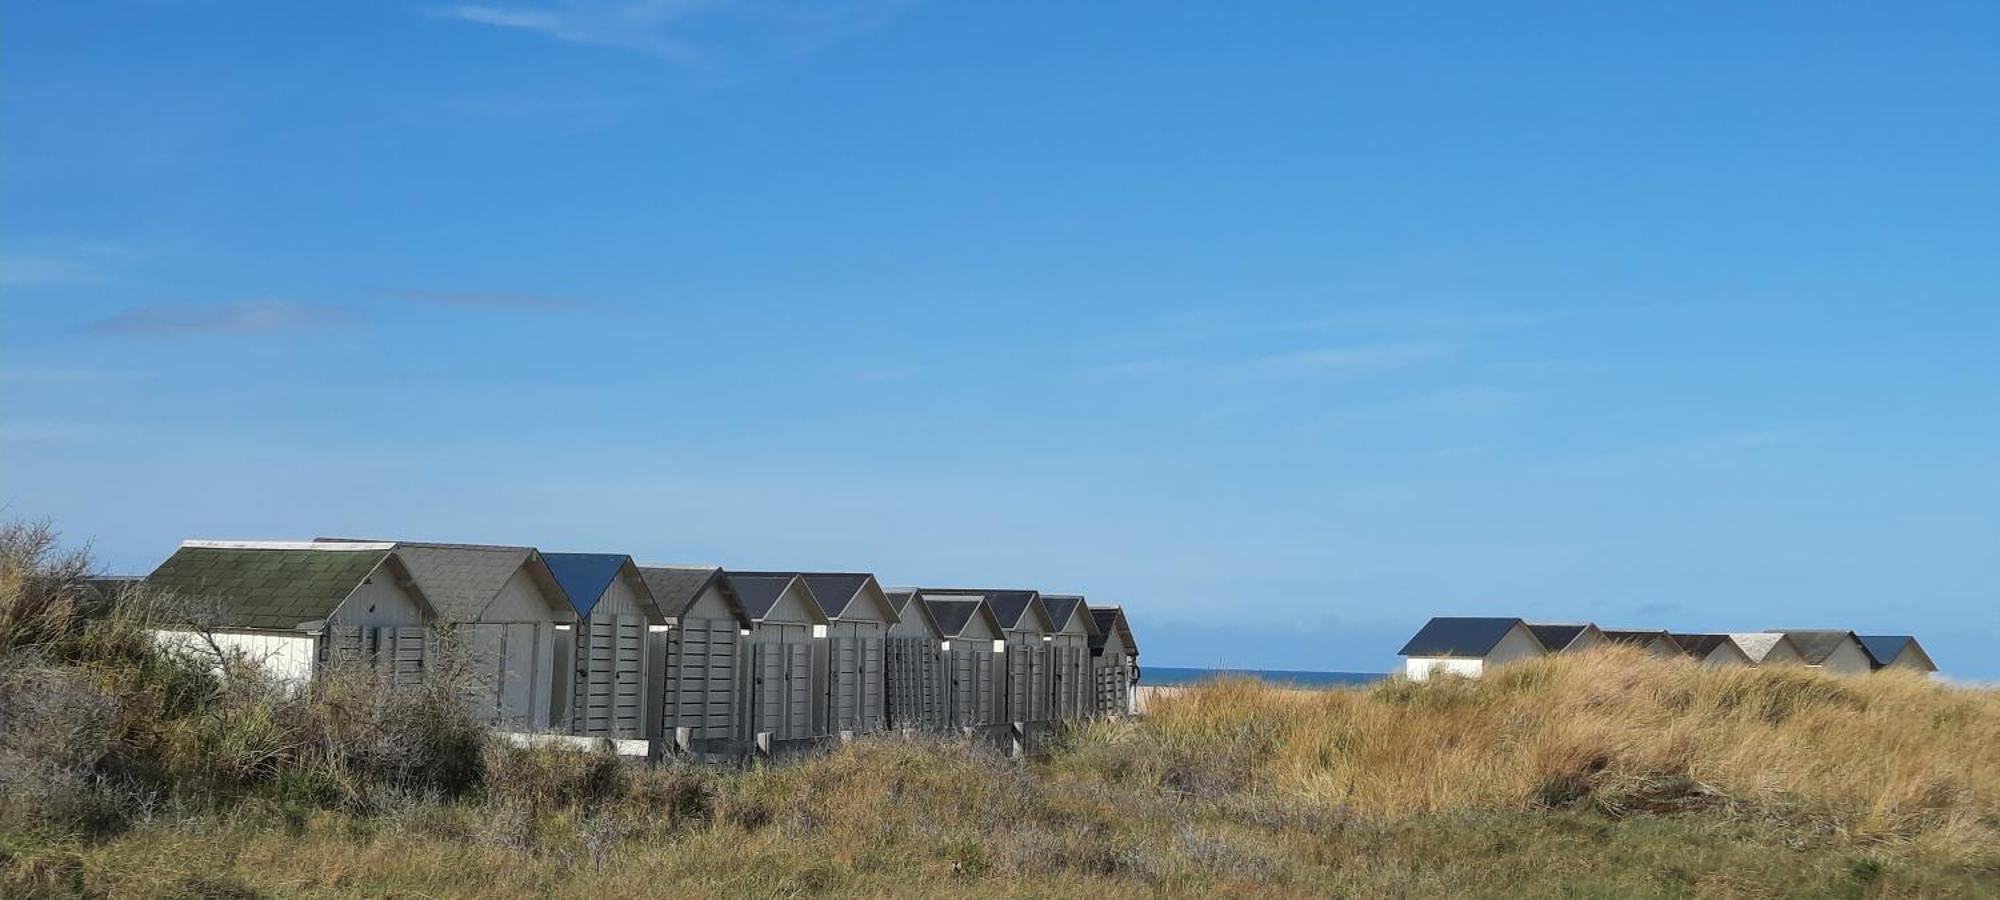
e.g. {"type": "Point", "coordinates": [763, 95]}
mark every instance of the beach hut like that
{"type": "Point", "coordinates": [972, 642]}
{"type": "Point", "coordinates": [1658, 643]}
{"type": "Point", "coordinates": [1070, 690]}
{"type": "Point", "coordinates": [786, 667]}
{"type": "Point", "coordinates": [918, 676]}
{"type": "Point", "coordinates": [1765, 648]}
{"type": "Point", "coordinates": [1567, 637]}
{"type": "Point", "coordinates": [1897, 651]}
{"type": "Point", "coordinates": [614, 650]}
{"type": "Point", "coordinates": [702, 711]}
{"type": "Point", "coordinates": [1468, 646]}
{"type": "Point", "coordinates": [1026, 621]}
{"type": "Point", "coordinates": [1830, 650]}
{"type": "Point", "coordinates": [1712, 650]}
{"type": "Point", "coordinates": [859, 616]}
{"type": "Point", "coordinates": [280, 604]}
{"type": "Point", "coordinates": [1114, 661]}
{"type": "Point", "coordinates": [502, 606]}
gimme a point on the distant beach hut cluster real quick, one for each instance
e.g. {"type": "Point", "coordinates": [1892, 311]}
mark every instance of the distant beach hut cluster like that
{"type": "Point", "coordinates": [704, 661]}
{"type": "Point", "coordinates": [1469, 646]}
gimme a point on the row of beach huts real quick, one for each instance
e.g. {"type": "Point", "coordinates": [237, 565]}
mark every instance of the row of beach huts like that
{"type": "Point", "coordinates": [694, 660]}
{"type": "Point", "coordinates": [1469, 645]}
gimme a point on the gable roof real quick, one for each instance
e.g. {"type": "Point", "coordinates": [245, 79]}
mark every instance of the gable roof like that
{"type": "Point", "coordinates": [462, 580]}
{"type": "Point", "coordinates": [1816, 644]}
{"type": "Point", "coordinates": [1557, 636]}
{"type": "Point", "coordinates": [1758, 644]}
{"type": "Point", "coordinates": [1008, 606]}
{"type": "Point", "coordinates": [1109, 619]}
{"type": "Point", "coordinates": [585, 577]}
{"type": "Point", "coordinates": [1639, 637]}
{"type": "Point", "coordinates": [953, 612]}
{"type": "Point", "coordinates": [835, 591]}
{"type": "Point", "coordinates": [1884, 648]}
{"type": "Point", "coordinates": [899, 599]}
{"type": "Point", "coordinates": [274, 585]}
{"type": "Point", "coordinates": [1461, 636]}
{"type": "Point", "coordinates": [676, 588]}
{"type": "Point", "coordinates": [759, 592]}
{"type": "Point", "coordinates": [1700, 646]}
{"type": "Point", "coordinates": [1064, 607]}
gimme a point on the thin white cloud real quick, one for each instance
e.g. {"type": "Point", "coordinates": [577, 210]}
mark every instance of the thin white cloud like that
{"type": "Point", "coordinates": [236, 317]}
{"type": "Point", "coordinates": [497, 300]}
{"type": "Point", "coordinates": [22, 271]}
{"type": "Point", "coordinates": [31, 431]}
{"type": "Point", "coordinates": [1342, 360]}
{"type": "Point", "coordinates": [667, 28]}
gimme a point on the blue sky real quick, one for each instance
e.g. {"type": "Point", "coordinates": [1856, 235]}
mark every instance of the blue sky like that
{"type": "Point", "coordinates": [1288, 327]}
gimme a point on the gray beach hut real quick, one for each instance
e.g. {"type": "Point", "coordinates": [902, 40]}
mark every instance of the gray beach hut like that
{"type": "Point", "coordinates": [973, 641]}
{"type": "Point", "coordinates": [786, 667]}
{"type": "Point", "coordinates": [1114, 660]}
{"type": "Point", "coordinates": [1897, 651]}
{"type": "Point", "coordinates": [702, 701]}
{"type": "Point", "coordinates": [503, 606]}
{"type": "Point", "coordinates": [1070, 691]}
{"type": "Point", "coordinates": [293, 607]}
{"type": "Point", "coordinates": [613, 650]}
{"type": "Point", "coordinates": [918, 677]}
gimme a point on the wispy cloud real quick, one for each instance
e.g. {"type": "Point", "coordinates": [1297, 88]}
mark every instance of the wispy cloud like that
{"type": "Point", "coordinates": [236, 317]}
{"type": "Point", "coordinates": [497, 300]}
{"type": "Point", "coordinates": [668, 28]}
{"type": "Point", "coordinates": [1342, 360]}
{"type": "Point", "coordinates": [33, 431]}
{"type": "Point", "coordinates": [21, 271]}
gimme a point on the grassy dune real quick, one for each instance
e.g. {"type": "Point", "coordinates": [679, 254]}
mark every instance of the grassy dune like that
{"type": "Point", "coordinates": [125, 771]}
{"type": "Point", "coordinates": [1602, 775]}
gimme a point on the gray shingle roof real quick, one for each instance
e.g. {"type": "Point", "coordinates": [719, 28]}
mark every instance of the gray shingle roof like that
{"type": "Point", "coordinates": [1465, 636]}
{"type": "Point", "coordinates": [835, 591]}
{"type": "Point", "coordinates": [1063, 607]}
{"type": "Point", "coordinates": [460, 580]}
{"type": "Point", "coordinates": [1109, 619]}
{"type": "Point", "coordinates": [676, 588]}
{"type": "Point", "coordinates": [1637, 638]}
{"type": "Point", "coordinates": [1757, 644]}
{"type": "Point", "coordinates": [1556, 637]}
{"type": "Point", "coordinates": [1816, 644]}
{"type": "Point", "coordinates": [1884, 648]}
{"type": "Point", "coordinates": [1009, 606]}
{"type": "Point", "coordinates": [760, 592]}
{"type": "Point", "coordinates": [1700, 646]}
{"type": "Point", "coordinates": [266, 587]}
{"type": "Point", "coordinates": [952, 613]}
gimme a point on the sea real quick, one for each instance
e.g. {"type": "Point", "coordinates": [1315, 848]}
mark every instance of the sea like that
{"type": "Point", "coordinates": [1162, 676]}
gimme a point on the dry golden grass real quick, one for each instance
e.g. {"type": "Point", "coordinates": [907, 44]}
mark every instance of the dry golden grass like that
{"type": "Point", "coordinates": [1884, 756]}
{"type": "Point", "coordinates": [1609, 775]}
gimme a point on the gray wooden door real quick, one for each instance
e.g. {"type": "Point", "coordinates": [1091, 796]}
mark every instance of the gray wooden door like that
{"type": "Point", "coordinates": [700, 689]}
{"type": "Point", "coordinates": [798, 678]}
{"type": "Point", "coordinates": [844, 685]}
{"type": "Point", "coordinates": [873, 683]}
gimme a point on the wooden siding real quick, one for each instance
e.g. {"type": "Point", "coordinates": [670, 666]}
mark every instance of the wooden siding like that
{"type": "Point", "coordinates": [918, 681]}
{"type": "Point", "coordinates": [701, 680]}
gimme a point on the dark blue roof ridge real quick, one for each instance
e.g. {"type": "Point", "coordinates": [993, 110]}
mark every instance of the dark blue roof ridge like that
{"type": "Point", "coordinates": [1462, 636]}
{"type": "Point", "coordinates": [586, 576]}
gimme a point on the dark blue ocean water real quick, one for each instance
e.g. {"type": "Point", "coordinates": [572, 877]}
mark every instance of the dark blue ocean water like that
{"type": "Point", "coordinates": [1170, 675]}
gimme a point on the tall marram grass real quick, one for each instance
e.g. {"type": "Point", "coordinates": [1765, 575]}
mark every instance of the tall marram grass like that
{"type": "Point", "coordinates": [1884, 756]}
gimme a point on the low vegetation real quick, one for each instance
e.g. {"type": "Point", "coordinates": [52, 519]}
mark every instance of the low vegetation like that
{"type": "Point", "coordinates": [127, 770]}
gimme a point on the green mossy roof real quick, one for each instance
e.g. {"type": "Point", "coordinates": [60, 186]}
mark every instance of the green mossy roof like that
{"type": "Point", "coordinates": [264, 588]}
